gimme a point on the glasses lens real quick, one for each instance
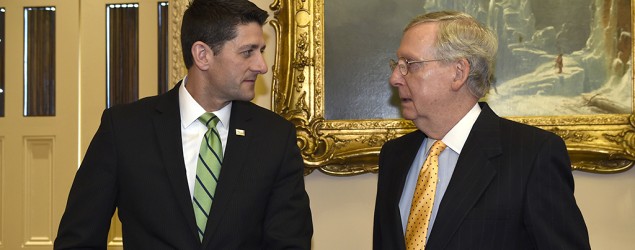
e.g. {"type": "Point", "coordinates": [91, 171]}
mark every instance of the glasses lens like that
{"type": "Point", "coordinates": [403, 67]}
{"type": "Point", "coordinates": [393, 64]}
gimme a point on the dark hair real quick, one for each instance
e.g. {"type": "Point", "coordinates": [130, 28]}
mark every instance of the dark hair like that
{"type": "Point", "coordinates": [214, 22]}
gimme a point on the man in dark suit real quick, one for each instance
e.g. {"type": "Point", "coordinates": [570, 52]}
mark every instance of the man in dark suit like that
{"type": "Point", "coordinates": [144, 158]}
{"type": "Point", "coordinates": [496, 184]}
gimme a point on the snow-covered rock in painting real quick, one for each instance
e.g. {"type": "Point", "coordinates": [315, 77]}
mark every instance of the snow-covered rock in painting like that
{"type": "Point", "coordinates": [592, 37]}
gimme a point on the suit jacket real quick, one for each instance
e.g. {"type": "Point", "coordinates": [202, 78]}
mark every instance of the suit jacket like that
{"type": "Point", "coordinates": [135, 163]}
{"type": "Point", "coordinates": [512, 188]}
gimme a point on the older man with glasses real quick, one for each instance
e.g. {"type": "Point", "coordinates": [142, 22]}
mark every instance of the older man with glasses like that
{"type": "Point", "coordinates": [467, 179]}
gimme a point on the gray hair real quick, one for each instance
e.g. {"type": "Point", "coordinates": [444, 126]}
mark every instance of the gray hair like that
{"type": "Point", "coordinates": [462, 36]}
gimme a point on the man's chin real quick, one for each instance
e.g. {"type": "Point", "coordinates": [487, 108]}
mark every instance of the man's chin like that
{"type": "Point", "coordinates": [408, 114]}
{"type": "Point", "coordinates": [247, 97]}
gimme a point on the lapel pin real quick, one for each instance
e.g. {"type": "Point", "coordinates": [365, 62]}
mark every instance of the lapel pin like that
{"type": "Point", "coordinates": [240, 132]}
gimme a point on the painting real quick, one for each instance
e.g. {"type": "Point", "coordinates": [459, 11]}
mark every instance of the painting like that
{"type": "Point", "coordinates": [555, 57]}
{"type": "Point", "coordinates": [578, 80]}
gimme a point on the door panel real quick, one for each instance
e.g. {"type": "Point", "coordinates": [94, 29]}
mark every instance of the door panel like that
{"type": "Point", "coordinates": [38, 154]}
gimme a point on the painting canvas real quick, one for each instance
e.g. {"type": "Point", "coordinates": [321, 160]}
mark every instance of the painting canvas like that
{"type": "Point", "coordinates": [555, 57]}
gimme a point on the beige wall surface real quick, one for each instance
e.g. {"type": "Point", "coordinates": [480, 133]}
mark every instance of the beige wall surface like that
{"type": "Point", "coordinates": [343, 206]}
{"type": "Point", "coordinates": [608, 205]}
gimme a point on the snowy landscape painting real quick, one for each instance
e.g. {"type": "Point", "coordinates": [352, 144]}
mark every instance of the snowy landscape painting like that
{"type": "Point", "coordinates": [558, 57]}
{"type": "Point", "coordinates": [555, 57]}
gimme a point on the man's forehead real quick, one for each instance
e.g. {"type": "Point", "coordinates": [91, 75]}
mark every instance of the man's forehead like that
{"type": "Point", "coordinates": [248, 35]}
{"type": "Point", "coordinates": [416, 39]}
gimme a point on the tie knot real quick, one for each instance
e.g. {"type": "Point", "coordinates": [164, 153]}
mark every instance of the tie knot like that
{"type": "Point", "coordinates": [209, 119]}
{"type": "Point", "coordinates": [437, 147]}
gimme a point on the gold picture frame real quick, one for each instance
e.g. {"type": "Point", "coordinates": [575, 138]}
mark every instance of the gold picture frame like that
{"type": "Point", "coordinates": [596, 143]}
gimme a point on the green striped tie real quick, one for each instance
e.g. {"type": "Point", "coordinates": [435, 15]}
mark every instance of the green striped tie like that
{"type": "Point", "coordinates": [210, 159]}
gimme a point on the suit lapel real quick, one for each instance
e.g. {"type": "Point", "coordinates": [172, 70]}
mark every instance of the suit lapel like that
{"type": "Point", "coordinates": [167, 124]}
{"type": "Point", "coordinates": [400, 165]}
{"type": "Point", "coordinates": [472, 174]}
{"type": "Point", "coordinates": [233, 164]}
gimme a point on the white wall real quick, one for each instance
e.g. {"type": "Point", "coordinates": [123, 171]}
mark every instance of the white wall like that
{"type": "Point", "coordinates": [343, 206]}
{"type": "Point", "coordinates": [342, 210]}
{"type": "Point", "coordinates": [608, 205]}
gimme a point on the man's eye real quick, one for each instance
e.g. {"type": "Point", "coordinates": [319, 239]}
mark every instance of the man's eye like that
{"type": "Point", "coordinates": [414, 66]}
{"type": "Point", "coordinates": [247, 53]}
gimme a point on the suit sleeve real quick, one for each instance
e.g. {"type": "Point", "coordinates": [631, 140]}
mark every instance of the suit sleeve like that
{"type": "Point", "coordinates": [377, 229]}
{"type": "Point", "coordinates": [552, 215]}
{"type": "Point", "coordinates": [91, 202]}
{"type": "Point", "coordinates": [288, 223]}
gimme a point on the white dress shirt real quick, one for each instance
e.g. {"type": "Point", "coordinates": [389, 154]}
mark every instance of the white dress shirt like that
{"type": "Point", "coordinates": [192, 130]}
{"type": "Point", "coordinates": [454, 139]}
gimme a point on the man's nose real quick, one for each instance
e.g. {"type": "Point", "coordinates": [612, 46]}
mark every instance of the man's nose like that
{"type": "Point", "coordinates": [260, 64]}
{"type": "Point", "coordinates": [396, 79]}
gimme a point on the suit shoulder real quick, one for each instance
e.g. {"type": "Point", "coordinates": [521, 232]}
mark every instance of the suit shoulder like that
{"type": "Point", "coordinates": [143, 110]}
{"type": "Point", "coordinates": [136, 108]}
{"type": "Point", "coordinates": [517, 129]}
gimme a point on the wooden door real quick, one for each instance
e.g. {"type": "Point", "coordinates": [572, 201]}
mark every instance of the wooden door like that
{"type": "Point", "coordinates": [38, 153]}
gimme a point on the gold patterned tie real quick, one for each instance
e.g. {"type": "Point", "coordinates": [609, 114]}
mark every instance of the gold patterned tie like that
{"type": "Point", "coordinates": [423, 199]}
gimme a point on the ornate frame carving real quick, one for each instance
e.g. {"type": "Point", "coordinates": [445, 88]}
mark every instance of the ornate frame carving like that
{"type": "Point", "coordinates": [597, 144]}
{"type": "Point", "coordinates": [175, 55]}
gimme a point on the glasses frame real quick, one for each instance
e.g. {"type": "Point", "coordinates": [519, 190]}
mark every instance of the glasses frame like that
{"type": "Point", "coordinates": [404, 67]}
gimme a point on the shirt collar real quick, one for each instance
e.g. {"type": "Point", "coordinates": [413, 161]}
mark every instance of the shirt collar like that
{"type": "Point", "coordinates": [456, 137]}
{"type": "Point", "coordinates": [191, 110]}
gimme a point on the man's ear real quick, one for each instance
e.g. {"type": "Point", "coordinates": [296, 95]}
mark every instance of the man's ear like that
{"type": "Point", "coordinates": [201, 55]}
{"type": "Point", "coordinates": [462, 71]}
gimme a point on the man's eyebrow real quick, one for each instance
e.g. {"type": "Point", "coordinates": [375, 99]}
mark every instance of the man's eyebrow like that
{"type": "Point", "coordinates": [251, 46]}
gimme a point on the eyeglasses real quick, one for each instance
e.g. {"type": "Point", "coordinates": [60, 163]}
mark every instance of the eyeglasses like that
{"type": "Point", "coordinates": [404, 64]}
